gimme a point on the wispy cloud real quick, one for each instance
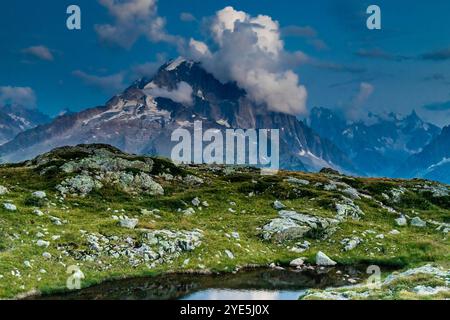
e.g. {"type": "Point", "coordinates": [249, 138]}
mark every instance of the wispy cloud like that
{"type": "Point", "coordinates": [299, 31]}
{"type": "Point", "coordinates": [306, 32]}
{"type": "Point", "coordinates": [182, 94]}
{"type": "Point", "coordinates": [187, 17]}
{"type": "Point", "coordinates": [380, 54]}
{"type": "Point", "coordinates": [109, 84]}
{"type": "Point", "coordinates": [40, 52]}
{"type": "Point", "coordinates": [438, 106]}
{"type": "Point", "coordinates": [337, 67]}
{"type": "Point", "coordinates": [438, 55]}
{"type": "Point", "coordinates": [132, 20]}
{"type": "Point", "coordinates": [23, 96]}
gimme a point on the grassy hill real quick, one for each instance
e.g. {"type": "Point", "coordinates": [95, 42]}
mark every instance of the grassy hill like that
{"type": "Point", "coordinates": [115, 215]}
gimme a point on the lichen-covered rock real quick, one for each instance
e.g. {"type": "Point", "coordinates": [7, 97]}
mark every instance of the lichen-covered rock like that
{"type": "Point", "coordinates": [348, 209]}
{"type": "Point", "coordinates": [193, 180]}
{"type": "Point", "coordinates": [350, 244]}
{"type": "Point", "coordinates": [80, 185]}
{"type": "Point", "coordinates": [297, 181]}
{"type": "Point", "coordinates": [106, 162]}
{"type": "Point", "coordinates": [352, 193]}
{"type": "Point", "coordinates": [292, 225]}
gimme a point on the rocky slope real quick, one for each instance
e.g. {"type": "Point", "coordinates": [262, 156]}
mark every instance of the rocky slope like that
{"type": "Point", "coordinates": [99, 213]}
{"type": "Point", "coordinates": [138, 122]}
{"type": "Point", "coordinates": [15, 119]}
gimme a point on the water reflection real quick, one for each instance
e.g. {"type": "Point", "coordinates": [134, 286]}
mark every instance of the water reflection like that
{"type": "Point", "coordinates": [261, 284]}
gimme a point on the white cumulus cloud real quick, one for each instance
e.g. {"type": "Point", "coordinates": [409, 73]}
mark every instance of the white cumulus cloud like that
{"type": "Point", "coordinates": [249, 50]}
{"type": "Point", "coordinates": [133, 19]}
{"type": "Point", "coordinates": [182, 94]}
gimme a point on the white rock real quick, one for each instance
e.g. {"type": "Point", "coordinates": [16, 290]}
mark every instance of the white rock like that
{"type": "Point", "coordinates": [189, 212]}
{"type": "Point", "coordinates": [196, 202]}
{"type": "Point", "coordinates": [3, 190]}
{"type": "Point", "coordinates": [39, 194]}
{"type": "Point", "coordinates": [38, 212]}
{"type": "Point", "coordinates": [42, 243]}
{"type": "Point", "coordinates": [128, 223]}
{"type": "Point", "coordinates": [278, 205]}
{"type": "Point", "coordinates": [229, 254]}
{"type": "Point", "coordinates": [394, 232]}
{"type": "Point", "coordinates": [9, 207]}
{"type": "Point", "coordinates": [417, 222]}
{"type": "Point", "coordinates": [323, 260]}
{"type": "Point", "coordinates": [27, 264]}
{"type": "Point", "coordinates": [47, 255]}
{"type": "Point", "coordinates": [401, 222]}
{"type": "Point", "coordinates": [297, 263]}
{"type": "Point", "coordinates": [379, 236]}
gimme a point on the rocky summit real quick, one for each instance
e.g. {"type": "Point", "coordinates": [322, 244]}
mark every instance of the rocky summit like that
{"type": "Point", "coordinates": [114, 214]}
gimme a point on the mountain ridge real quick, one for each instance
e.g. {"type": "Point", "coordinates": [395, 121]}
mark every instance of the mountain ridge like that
{"type": "Point", "coordinates": [140, 123]}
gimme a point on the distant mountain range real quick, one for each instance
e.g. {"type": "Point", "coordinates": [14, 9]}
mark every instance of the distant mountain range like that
{"type": "Point", "coordinates": [378, 146]}
{"type": "Point", "coordinates": [138, 121]}
{"type": "Point", "coordinates": [15, 119]}
{"type": "Point", "coordinates": [433, 162]}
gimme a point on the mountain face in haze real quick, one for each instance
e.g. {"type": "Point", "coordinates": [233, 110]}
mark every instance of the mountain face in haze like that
{"type": "Point", "coordinates": [15, 119]}
{"type": "Point", "coordinates": [137, 122]}
{"type": "Point", "coordinates": [378, 146]}
{"type": "Point", "coordinates": [433, 162]}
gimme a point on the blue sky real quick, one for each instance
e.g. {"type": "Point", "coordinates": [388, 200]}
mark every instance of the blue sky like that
{"type": "Point", "coordinates": [402, 67]}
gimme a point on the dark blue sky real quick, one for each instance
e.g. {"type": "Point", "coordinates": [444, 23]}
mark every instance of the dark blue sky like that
{"type": "Point", "coordinates": [402, 67]}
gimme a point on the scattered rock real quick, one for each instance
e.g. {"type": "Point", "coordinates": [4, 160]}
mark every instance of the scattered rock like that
{"type": "Point", "coordinates": [39, 195]}
{"type": "Point", "coordinates": [418, 222]}
{"type": "Point", "coordinates": [196, 202]}
{"type": "Point", "coordinates": [323, 260]}
{"type": "Point", "coordinates": [189, 211]}
{"type": "Point", "coordinates": [348, 209]}
{"type": "Point", "coordinates": [128, 223]}
{"type": "Point", "coordinates": [297, 181]}
{"type": "Point", "coordinates": [9, 207]}
{"type": "Point", "coordinates": [42, 243]}
{"type": "Point", "coordinates": [278, 205]}
{"type": "Point", "coordinates": [3, 190]}
{"type": "Point", "coordinates": [350, 244]}
{"type": "Point", "coordinates": [229, 254]}
{"type": "Point", "coordinates": [47, 255]}
{"type": "Point", "coordinates": [401, 222]}
{"type": "Point", "coordinates": [297, 263]}
{"type": "Point", "coordinates": [38, 212]}
{"type": "Point", "coordinates": [193, 180]}
{"type": "Point", "coordinates": [292, 225]}
{"type": "Point", "coordinates": [352, 193]}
